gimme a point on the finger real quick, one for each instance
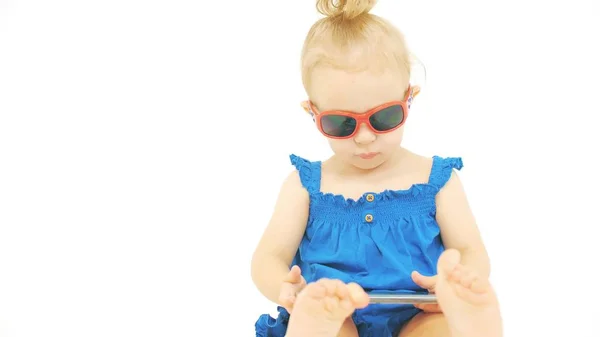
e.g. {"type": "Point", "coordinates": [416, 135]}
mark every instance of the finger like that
{"type": "Point", "coordinates": [358, 295]}
{"type": "Point", "coordinates": [456, 275]}
{"type": "Point", "coordinates": [302, 281]}
{"type": "Point", "coordinates": [468, 279]}
{"type": "Point", "coordinates": [293, 276]}
{"type": "Point", "coordinates": [422, 306]}
{"type": "Point", "coordinates": [329, 285]}
{"type": "Point", "coordinates": [425, 282]}
{"type": "Point", "coordinates": [286, 299]}
{"type": "Point", "coordinates": [428, 307]}
{"type": "Point", "coordinates": [286, 290]}
{"type": "Point", "coordinates": [341, 290]}
{"type": "Point", "coordinates": [331, 303]}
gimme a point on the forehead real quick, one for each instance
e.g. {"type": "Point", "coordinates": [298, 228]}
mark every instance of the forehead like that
{"type": "Point", "coordinates": [334, 89]}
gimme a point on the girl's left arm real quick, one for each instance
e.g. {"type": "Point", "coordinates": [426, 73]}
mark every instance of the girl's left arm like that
{"type": "Point", "coordinates": [458, 227]}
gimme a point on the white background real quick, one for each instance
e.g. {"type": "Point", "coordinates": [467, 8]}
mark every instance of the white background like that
{"type": "Point", "coordinates": [137, 168]}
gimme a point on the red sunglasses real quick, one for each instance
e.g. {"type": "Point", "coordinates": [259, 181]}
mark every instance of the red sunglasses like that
{"type": "Point", "coordinates": [339, 124]}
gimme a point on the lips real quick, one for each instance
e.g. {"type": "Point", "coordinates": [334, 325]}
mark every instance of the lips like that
{"type": "Point", "coordinates": [369, 155]}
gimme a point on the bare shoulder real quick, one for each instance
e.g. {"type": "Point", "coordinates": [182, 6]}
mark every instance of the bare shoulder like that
{"type": "Point", "coordinates": [451, 200]}
{"type": "Point", "coordinates": [292, 186]}
{"type": "Point", "coordinates": [293, 198]}
{"type": "Point", "coordinates": [453, 187]}
{"type": "Point", "coordinates": [455, 218]}
{"type": "Point", "coordinates": [287, 224]}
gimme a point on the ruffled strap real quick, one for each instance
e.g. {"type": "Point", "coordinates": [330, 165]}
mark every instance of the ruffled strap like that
{"type": "Point", "coordinates": [442, 168]}
{"type": "Point", "coordinates": [267, 326]}
{"type": "Point", "coordinates": [310, 173]}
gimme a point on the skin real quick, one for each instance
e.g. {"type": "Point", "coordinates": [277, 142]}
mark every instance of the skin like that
{"type": "Point", "coordinates": [469, 303]}
{"type": "Point", "coordinates": [358, 92]}
{"type": "Point", "coordinates": [393, 168]}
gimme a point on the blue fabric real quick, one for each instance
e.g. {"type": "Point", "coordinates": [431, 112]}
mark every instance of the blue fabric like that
{"type": "Point", "coordinates": [339, 243]}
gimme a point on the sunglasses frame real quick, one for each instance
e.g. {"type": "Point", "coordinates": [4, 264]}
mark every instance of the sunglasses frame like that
{"type": "Point", "coordinates": [361, 118]}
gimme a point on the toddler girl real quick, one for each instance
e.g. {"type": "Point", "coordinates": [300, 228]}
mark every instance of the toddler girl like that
{"type": "Point", "coordinates": [375, 216]}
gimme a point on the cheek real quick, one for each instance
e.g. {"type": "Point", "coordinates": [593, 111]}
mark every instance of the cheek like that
{"type": "Point", "coordinates": [393, 138]}
{"type": "Point", "coordinates": [342, 145]}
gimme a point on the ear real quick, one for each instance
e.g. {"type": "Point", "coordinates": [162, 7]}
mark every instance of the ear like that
{"type": "Point", "coordinates": [416, 90]}
{"type": "Point", "coordinates": [306, 106]}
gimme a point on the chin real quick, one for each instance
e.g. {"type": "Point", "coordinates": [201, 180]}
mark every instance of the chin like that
{"type": "Point", "coordinates": [369, 164]}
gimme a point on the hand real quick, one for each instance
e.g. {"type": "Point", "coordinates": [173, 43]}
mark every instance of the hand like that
{"type": "Point", "coordinates": [426, 282]}
{"type": "Point", "coordinates": [293, 283]}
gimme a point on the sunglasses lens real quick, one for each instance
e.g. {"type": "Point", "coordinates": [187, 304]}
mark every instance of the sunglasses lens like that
{"type": "Point", "coordinates": [338, 126]}
{"type": "Point", "coordinates": [387, 118]}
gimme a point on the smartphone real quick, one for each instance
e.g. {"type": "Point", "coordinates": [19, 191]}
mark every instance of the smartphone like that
{"type": "Point", "coordinates": [391, 298]}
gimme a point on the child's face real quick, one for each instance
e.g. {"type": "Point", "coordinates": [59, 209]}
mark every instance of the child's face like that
{"type": "Point", "coordinates": [359, 92]}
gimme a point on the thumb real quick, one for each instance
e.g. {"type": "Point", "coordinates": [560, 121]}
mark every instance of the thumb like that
{"type": "Point", "coordinates": [294, 275]}
{"type": "Point", "coordinates": [425, 282]}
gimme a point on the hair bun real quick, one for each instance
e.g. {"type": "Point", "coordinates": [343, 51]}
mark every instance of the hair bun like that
{"type": "Point", "coordinates": [348, 9]}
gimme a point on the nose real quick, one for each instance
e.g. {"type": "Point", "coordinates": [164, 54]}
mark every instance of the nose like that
{"type": "Point", "coordinates": [364, 135]}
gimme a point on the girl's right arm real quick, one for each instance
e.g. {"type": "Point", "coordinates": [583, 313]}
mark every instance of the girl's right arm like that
{"type": "Point", "coordinates": [278, 245]}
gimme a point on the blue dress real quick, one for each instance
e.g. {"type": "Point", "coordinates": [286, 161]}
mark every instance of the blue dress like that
{"type": "Point", "coordinates": [375, 241]}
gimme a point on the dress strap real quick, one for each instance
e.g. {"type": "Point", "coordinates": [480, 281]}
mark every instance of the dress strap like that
{"type": "Point", "coordinates": [309, 171]}
{"type": "Point", "coordinates": [442, 168]}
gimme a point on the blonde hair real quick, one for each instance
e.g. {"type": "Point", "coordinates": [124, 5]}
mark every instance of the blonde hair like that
{"type": "Point", "coordinates": [352, 39]}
